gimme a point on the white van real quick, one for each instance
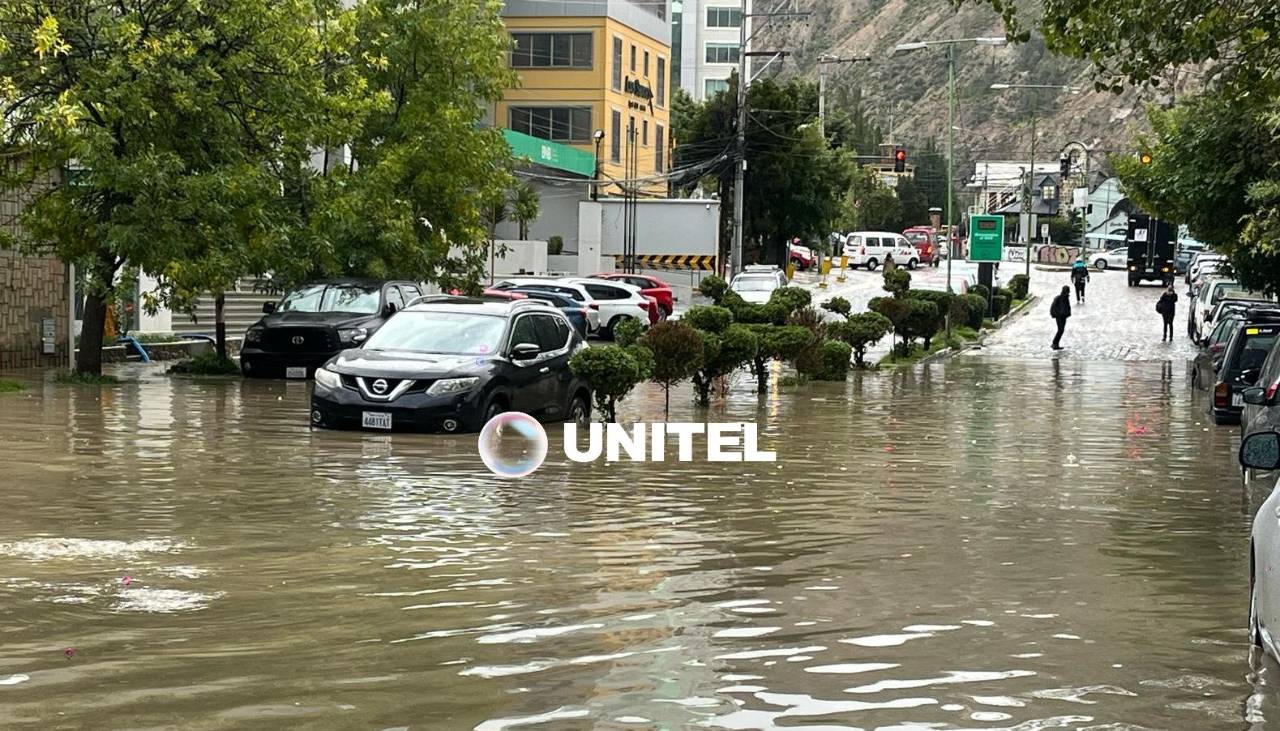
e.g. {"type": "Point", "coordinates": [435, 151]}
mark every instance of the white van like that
{"type": "Point", "coordinates": [869, 249]}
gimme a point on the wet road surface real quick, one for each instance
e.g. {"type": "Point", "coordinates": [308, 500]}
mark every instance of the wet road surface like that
{"type": "Point", "coordinates": [1003, 540]}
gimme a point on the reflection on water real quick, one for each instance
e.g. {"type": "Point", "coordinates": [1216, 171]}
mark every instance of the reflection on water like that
{"type": "Point", "coordinates": [977, 544]}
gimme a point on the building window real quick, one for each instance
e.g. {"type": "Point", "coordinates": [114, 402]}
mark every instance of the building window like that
{"type": "Point", "coordinates": [660, 151]}
{"type": "Point", "coordinates": [1049, 192]}
{"type": "Point", "coordinates": [617, 64]}
{"type": "Point", "coordinates": [551, 50]}
{"type": "Point", "coordinates": [724, 17]}
{"type": "Point", "coordinates": [715, 86]}
{"type": "Point", "coordinates": [559, 124]}
{"type": "Point", "coordinates": [646, 63]}
{"type": "Point", "coordinates": [633, 58]}
{"type": "Point", "coordinates": [722, 53]}
{"type": "Point", "coordinates": [615, 141]}
{"type": "Point", "coordinates": [644, 133]}
{"type": "Point", "coordinates": [662, 82]}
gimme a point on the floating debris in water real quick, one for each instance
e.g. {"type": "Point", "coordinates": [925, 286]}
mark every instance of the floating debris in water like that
{"type": "Point", "coordinates": [70, 652]}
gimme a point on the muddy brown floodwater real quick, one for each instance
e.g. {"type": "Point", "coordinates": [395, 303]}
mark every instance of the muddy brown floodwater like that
{"type": "Point", "coordinates": [981, 543]}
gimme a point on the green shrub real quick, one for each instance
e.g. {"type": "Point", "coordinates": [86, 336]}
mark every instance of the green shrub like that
{"type": "Point", "coordinates": [1019, 286]}
{"type": "Point", "coordinates": [86, 379]}
{"type": "Point", "coordinates": [722, 354]}
{"type": "Point", "coordinates": [897, 281]}
{"type": "Point", "coordinates": [708, 318]}
{"type": "Point", "coordinates": [895, 310]}
{"type": "Point", "coordinates": [941, 300]}
{"type": "Point", "coordinates": [981, 290]}
{"type": "Point", "coordinates": [677, 354]}
{"type": "Point", "coordinates": [8, 386]}
{"type": "Point", "coordinates": [776, 342]}
{"type": "Point", "coordinates": [791, 298]}
{"type": "Point", "coordinates": [207, 364]}
{"type": "Point", "coordinates": [921, 322]}
{"type": "Point", "coordinates": [713, 288]}
{"type": "Point", "coordinates": [555, 244]}
{"type": "Point", "coordinates": [999, 305]}
{"type": "Point", "coordinates": [611, 371]}
{"type": "Point", "coordinates": [835, 360]}
{"type": "Point", "coordinates": [977, 310]}
{"type": "Point", "coordinates": [753, 314]}
{"type": "Point", "coordinates": [838, 305]}
{"type": "Point", "coordinates": [628, 331]}
{"type": "Point", "coordinates": [809, 358]}
{"type": "Point", "coordinates": [861, 331]}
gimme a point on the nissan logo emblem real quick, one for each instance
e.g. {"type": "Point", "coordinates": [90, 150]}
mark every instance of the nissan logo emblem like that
{"type": "Point", "coordinates": [380, 386]}
{"type": "Point", "coordinates": [297, 340]}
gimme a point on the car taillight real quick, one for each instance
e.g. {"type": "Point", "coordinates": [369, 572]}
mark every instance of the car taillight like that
{"type": "Point", "coordinates": [1271, 390]}
{"type": "Point", "coordinates": [583, 311]}
{"type": "Point", "coordinates": [594, 306]}
{"type": "Point", "coordinates": [1221, 395]}
{"type": "Point", "coordinates": [646, 306]}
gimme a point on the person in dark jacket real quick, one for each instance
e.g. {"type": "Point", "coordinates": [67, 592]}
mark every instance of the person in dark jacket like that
{"type": "Point", "coordinates": [1080, 276]}
{"type": "Point", "coordinates": [1060, 310]}
{"type": "Point", "coordinates": [1167, 306]}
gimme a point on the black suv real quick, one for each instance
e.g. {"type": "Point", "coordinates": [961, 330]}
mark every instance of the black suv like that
{"type": "Point", "coordinates": [451, 363]}
{"type": "Point", "coordinates": [1242, 361]}
{"type": "Point", "coordinates": [313, 322]}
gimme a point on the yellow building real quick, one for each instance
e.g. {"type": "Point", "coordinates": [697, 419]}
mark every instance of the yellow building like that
{"type": "Point", "coordinates": [594, 78]}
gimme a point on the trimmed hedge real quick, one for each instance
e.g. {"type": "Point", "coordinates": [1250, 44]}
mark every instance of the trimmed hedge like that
{"type": "Point", "coordinates": [835, 360]}
{"type": "Point", "coordinates": [977, 311]}
{"type": "Point", "coordinates": [1019, 285]}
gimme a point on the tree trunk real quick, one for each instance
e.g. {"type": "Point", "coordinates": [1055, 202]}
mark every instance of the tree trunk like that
{"type": "Point", "coordinates": [89, 357]}
{"type": "Point", "coordinates": [666, 405]}
{"type": "Point", "coordinates": [762, 375]}
{"type": "Point", "coordinates": [613, 410]}
{"type": "Point", "coordinates": [220, 325]}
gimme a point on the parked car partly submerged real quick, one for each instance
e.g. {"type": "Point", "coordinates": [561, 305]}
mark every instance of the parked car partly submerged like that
{"type": "Point", "coordinates": [313, 322]}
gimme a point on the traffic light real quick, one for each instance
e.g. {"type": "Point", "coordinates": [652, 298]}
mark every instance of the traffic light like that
{"type": "Point", "coordinates": [899, 160]}
{"type": "Point", "coordinates": [1064, 167]}
{"type": "Point", "coordinates": [1145, 158]}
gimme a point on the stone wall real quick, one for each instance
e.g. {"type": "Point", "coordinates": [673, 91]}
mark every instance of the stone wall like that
{"type": "Point", "coordinates": [31, 288]}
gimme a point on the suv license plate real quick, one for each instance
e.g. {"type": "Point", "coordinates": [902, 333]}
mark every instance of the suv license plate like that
{"type": "Point", "coordinates": [1237, 399]}
{"type": "Point", "coordinates": [375, 420]}
{"type": "Point", "coordinates": [295, 372]}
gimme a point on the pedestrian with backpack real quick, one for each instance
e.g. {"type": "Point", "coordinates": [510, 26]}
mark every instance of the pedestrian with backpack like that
{"type": "Point", "coordinates": [1167, 307]}
{"type": "Point", "coordinates": [1060, 310]}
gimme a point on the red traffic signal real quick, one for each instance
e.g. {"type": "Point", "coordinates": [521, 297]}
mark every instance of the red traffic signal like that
{"type": "Point", "coordinates": [899, 160]}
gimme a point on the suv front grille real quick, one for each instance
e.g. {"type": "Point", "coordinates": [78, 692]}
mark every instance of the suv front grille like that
{"type": "Point", "coordinates": [298, 339]}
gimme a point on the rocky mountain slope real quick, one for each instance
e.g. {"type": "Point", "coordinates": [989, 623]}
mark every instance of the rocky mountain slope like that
{"type": "Point", "coordinates": [912, 88]}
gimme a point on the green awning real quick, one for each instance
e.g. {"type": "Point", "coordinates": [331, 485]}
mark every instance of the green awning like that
{"type": "Point", "coordinates": [551, 154]}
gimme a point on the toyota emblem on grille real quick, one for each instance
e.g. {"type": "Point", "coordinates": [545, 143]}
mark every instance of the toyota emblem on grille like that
{"type": "Point", "coordinates": [297, 340]}
{"type": "Point", "coordinates": [380, 386]}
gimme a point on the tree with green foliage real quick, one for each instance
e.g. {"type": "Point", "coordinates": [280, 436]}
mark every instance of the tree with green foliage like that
{"type": "Point", "coordinates": [724, 352]}
{"type": "Point", "coordinates": [838, 305]}
{"type": "Point", "coordinates": [861, 331]}
{"type": "Point", "coordinates": [782, 343]}
{"type": "Point", "coordinates": [866, 203]}
{"type": "Point", "coordinates": [897, 281]}
{"type": "Point", "coordinates": [921, 321]}
{"type": "Point", "coordinates": [524, 207]}
{"type": "Point", "coordinates": [708, 318]}
{"type": "Point", "coordinates": [713, 287]}
{"type": "Point", "coordinates": [835, 361]}
{"type": "Point", "coordinates": [628, 331]}
{"type": "Point", "coordinates": [611, 371]}
{"type": "Point", "coordinates": [677, 355]}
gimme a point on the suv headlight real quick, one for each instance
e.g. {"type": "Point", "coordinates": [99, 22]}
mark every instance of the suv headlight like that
{"type": "Point", "coordinates": [253, 335]}
{"type": "Point", "coordinates": [452, 385]}
{"type": "Point", "coordinates": [351, 336]}
{"type": "Point", "coordinates": [327, 378]}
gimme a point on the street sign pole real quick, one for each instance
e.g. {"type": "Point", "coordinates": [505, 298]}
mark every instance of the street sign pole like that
{"type": "Point", "coordinates": [986, 246]}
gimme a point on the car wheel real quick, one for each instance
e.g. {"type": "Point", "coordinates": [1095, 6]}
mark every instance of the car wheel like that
{"type": "Point", "coordinates": [579, 410]}
{"type": "Point", "coordinates": [872, 264]}
{"type": "Point", "coordinates": [497, 405]}
{"type": "Point", "coordinates": [912, 264]}
{"type": "Point", "coordinates": [1100, 265]}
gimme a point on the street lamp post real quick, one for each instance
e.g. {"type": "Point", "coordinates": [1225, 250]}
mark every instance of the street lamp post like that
{"type": "Point", "coordinates": [1028, 195]}
{"type": "Point", "coordinates": [951, 121]}
{"type": "Point", "coordinates": [598, 136]}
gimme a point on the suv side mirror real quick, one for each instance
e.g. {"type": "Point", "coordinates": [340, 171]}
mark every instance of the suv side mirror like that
{"type": "Point", "coordinates": [1255, 395]}
{"type": "Point", "coordinates": [389, 309]}
{"type": "Point", "coordinates": [268, 308]}
{"type": "Point", "coordinates": [1261, 451]}
{"type": "Point", "coordinates": [525, 351]}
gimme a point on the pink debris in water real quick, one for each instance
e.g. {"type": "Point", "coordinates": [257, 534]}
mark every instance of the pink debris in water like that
{"type": "Point", "coordinates": [70, 652]}
{"type": "Point", "coordinates": [127, 580]}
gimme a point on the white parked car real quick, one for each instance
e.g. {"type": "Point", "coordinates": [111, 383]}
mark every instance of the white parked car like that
{"type": "Point", "coordinates": [1114, 259]}
{"type": "Point", "coordinates": [756, 284]}
{"type": "Point", "coordinates": [870, 248]}
{"type": "Point", "coordinates": [1261, 451]}
{"type": "Point", "coordinates": [1213, 292]}
{"type": "Point", "coordinates": [616, 301]}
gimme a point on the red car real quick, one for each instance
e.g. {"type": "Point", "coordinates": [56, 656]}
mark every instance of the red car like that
{"type": "Point", "coordinates": [651, 287]}
{"type": "Point", "coordinates": [925, 239]}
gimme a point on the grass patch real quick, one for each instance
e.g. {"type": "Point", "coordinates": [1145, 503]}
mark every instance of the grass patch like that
{"type": "Point", "coordinates": [207, 364]}
{"type": "Point", "coordinates": [76, 378]}
{"type": "Point", "coordinates": [793, 379]}
{"type": "Point", "coordinates": [8, 386]}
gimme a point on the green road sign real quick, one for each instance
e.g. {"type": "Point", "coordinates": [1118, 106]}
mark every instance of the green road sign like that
{"type": "Point", "coordinates": [986, 238]}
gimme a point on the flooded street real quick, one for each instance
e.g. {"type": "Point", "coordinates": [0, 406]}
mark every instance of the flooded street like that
{"type": "Point", "coordinates": [1001, 540]}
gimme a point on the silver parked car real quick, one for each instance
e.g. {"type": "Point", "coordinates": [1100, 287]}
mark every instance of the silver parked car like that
{"type": "Point", "coordinates": [1261, 451]}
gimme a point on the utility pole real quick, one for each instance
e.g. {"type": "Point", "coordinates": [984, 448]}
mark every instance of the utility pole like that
{"type": "Point", "coordinates": [740, 154]}
{"type": "Point", "coordinates": [822, 87]}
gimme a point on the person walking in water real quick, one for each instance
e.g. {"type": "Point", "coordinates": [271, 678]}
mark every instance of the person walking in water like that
{"type": "Point", "coordinates": [1167, 306]}
{"type": "Point", "coordinates": [1079, 275]}
{"type": "Point", "coordinates": [1060, 310]}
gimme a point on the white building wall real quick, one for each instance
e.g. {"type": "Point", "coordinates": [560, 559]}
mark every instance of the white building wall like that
{"type": "Point", "coordinates": [695, 35]}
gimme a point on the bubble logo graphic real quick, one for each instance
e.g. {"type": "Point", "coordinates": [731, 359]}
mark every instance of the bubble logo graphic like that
{"type": "Point", "coordinates": [513, 444]}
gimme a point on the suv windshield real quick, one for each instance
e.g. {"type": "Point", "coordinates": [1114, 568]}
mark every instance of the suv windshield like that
{"type": "Point", "coordinates": [1253, 344]}
{"type": "Point", "coordinates": [358, 298]}
{"type": "Point", "coordinates": [460, 333]}
{"type": "Point", "coordinates": [755, 284]}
